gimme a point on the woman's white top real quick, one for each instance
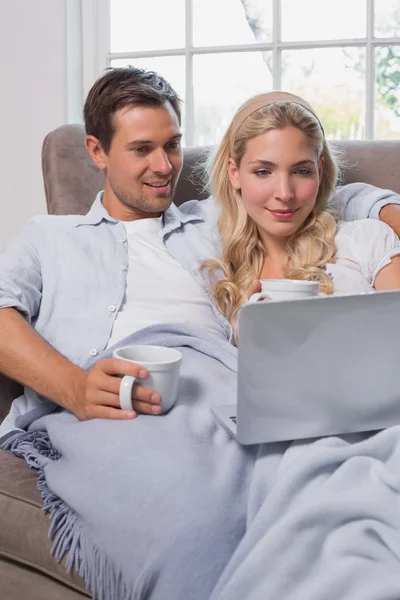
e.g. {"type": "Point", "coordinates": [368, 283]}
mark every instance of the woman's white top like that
{"type": "Point", "coordinates": [363, 248]}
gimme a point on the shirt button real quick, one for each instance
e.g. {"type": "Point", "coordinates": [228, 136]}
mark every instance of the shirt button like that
{"type": "Point", "coordinates": [94, 352]}
{"type": "Point", "coordinates": [123, 268]}
{"type": "Point", "coordinates": [112, 308]}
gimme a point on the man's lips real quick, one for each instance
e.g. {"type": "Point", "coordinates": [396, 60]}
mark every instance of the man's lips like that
{"type": "Point", "coordinates": [282, 214]}
{"type": "Point", "coordinates": [158, 186]}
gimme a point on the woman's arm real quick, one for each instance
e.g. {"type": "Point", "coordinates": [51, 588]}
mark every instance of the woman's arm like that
{"type": "Point", "coordinates": [388, 278]}
{"type": "Point", "coordinates": [390, 214]}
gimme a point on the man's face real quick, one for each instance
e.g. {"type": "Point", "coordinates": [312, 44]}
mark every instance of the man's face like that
{"type": "Point", "coordinates": [143, 163]}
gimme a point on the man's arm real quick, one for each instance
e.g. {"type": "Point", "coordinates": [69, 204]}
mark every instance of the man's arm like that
{"type": "Point", "coordinates": [26, 357]}
{"type": "Point", "coordinates": [362, 201]}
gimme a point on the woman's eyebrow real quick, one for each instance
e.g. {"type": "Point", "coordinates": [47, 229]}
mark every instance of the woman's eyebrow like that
{"type": "Point", "coordinates": [267, 163]}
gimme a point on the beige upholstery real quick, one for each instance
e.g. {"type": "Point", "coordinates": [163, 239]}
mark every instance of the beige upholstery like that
{"type": "Point", "coordinates": [27, 570]}
{"type": "Point", "coordinates": [24, 543]}
{"type": "Point", "coordinates": [8, 390]}
{"type": "Point", "coordinates": [375, 162]}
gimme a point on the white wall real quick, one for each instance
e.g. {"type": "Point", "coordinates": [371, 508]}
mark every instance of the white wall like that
{"type": "Point", "coordinates": [33, 101]}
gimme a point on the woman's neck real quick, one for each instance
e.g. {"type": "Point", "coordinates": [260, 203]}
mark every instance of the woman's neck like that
{"type": "Point", "coordinates": [275, 258]}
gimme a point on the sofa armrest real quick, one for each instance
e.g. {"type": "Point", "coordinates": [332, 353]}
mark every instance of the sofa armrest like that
{"type": "Point", "coordinates": [9, 390]}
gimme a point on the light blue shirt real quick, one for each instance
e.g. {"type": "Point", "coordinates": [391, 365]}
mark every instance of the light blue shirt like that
{"type": "Point", "coordinates": [67, 274]}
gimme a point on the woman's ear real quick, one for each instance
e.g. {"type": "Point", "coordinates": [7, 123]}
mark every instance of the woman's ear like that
{"type": "Point", "coordinates": [233, 174]}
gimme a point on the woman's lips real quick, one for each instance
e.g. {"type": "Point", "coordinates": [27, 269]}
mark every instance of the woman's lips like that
{"type": "Point", "coordinates": [282, 215]}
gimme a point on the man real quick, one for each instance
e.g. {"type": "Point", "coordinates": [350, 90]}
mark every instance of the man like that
{"type": "Point", "coordinates": [72, 286]}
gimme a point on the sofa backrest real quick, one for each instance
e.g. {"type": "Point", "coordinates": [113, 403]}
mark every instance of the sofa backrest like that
{"type": "Point", "coordinates": [72, 181]}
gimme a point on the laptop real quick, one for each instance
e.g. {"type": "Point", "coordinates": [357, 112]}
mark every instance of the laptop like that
{"type": "Point", "coordinates": [321, 366]}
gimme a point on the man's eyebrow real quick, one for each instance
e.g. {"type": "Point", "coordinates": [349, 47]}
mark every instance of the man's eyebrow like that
{"type": "Point", "coordinates": [134, 143]}
{"type": "Point", "coordinates": [138, 143]}
{"type": "Point", "coordinates": [175, 138]}
{"type": "Point", "coordinates": [267, 163]}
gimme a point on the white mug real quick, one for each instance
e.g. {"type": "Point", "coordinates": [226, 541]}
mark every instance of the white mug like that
{"type": "Point", "coordinates": [285, 289]}
{"type": "Point", "coordinates": [163, 365]}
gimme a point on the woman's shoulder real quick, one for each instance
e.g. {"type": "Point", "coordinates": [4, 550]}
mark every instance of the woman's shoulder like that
{"type": "Point", "coordinates": [364, 228]}
{"type": "Point", "coordinates": [368, 242]}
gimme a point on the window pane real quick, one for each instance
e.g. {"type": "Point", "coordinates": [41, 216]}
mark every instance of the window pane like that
{"type": "Point", "coordinates": [318, 20]}
{"type": "Point", "coordinates": [221, 83]}
{"type": "Point", "coordinates": [387, 92]}
{"type": "Point", "coordinates": [151, 25]}
{"type": "Point", "coordinates": [221, 22]}
{"type": "Point", "coordinates": [387, 18]}
{"type": "Point", "coordinates": [333, 81]}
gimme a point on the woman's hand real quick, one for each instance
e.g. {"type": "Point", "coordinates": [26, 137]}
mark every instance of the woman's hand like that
{"type": "Point", "coordinates": [257, 295]}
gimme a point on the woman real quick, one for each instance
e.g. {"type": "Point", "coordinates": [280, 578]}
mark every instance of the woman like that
{"type": "Point", "coordinates": [272, 176]}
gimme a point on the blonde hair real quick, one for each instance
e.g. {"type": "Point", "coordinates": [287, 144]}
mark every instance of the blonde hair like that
{"type": "Point", "coordinates": [311, 247]}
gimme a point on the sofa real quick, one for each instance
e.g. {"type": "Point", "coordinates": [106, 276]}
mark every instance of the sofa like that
{"type": "Point", "coordinates": [27, 569]}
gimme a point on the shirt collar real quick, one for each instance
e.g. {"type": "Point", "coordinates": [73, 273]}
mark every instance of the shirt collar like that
{"type": "Point", "coordinates": [96, 214]}
{"type": "Point", "coordinates": [173, 217]}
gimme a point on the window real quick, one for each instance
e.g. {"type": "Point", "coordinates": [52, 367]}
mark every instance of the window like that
{"type": "Point", "coordinates": [342, 56]}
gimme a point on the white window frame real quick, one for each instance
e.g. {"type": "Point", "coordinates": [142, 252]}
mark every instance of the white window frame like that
{"type": "Point", "coordinates": [97, 56]}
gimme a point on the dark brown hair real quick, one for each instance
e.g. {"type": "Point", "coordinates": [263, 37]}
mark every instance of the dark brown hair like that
{"type": "Point", "coordinates": [120, 87]}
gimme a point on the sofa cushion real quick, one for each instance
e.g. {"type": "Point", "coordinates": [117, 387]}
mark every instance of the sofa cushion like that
{"type": "Point", "coordinates": [9, 390]}
{"type": "Point", "coordinates": [22, 583]}
{"type": "Point", "coordinates": [24, 526]}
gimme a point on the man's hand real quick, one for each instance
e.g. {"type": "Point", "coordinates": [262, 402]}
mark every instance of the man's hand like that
{"type": "Point", "coordinates": [390, 214]}
{"type": "Point", "coordinates": [96, 394]}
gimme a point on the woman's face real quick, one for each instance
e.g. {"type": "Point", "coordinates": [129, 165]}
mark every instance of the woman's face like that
{"type": "Point", "coordinates": [279, 178]}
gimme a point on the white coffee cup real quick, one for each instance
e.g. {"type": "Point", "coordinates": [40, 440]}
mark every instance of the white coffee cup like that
{"type": "Point", "coordinates": [285, 289]}
{"type": "Point", "coordinates": [163, 365]}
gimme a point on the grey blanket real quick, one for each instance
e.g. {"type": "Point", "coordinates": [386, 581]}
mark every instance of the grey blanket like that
{"type": "Point", "coordinates": [153, 507]}
{"type": "Point", "coordinates": [170, 508]}
{"type": "Point", "coordinates": [330, 527]}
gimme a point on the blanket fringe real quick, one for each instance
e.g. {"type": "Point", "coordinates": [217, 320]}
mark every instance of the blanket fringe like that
{"type": "Point", "coordinates": [104, 581]}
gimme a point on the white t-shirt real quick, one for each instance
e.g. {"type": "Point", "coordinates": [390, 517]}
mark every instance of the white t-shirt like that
{"type": "Point", "coordinates": [158, 288]}
{"type": "Point", "coordinates": [364, 247]}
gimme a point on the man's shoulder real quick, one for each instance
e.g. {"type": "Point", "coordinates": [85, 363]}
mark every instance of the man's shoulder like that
{"type": "Point", "coordinates": [206, 209]}
{"type": "Point", "coordinates": [55, 221]}
{"type": "Point", "coordinates": [41, 229]}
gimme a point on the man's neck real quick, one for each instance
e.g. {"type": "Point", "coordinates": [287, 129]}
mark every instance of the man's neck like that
{"type": "Point", "coordinates": [117, 210]}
